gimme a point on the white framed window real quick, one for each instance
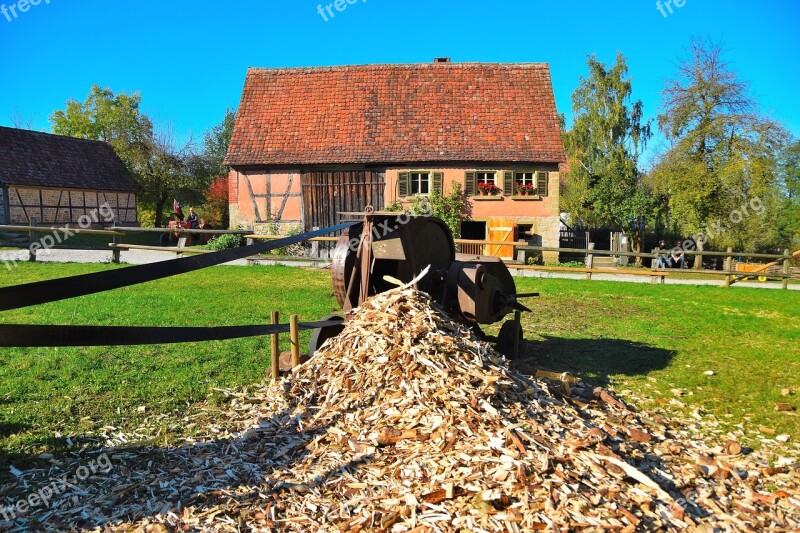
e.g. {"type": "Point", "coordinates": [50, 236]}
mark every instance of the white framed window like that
{"type": "Point", "coordinates": [525, 179]}
{"type": "Point", "coordinates": [419, 183]}
{"type": "Point", "coordinates": [486, 177]}
{"type": "Point", "coordinates": [534, 182]}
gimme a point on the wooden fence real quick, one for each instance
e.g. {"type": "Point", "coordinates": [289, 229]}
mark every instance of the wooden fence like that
{"type": "Point", "coordinates": [729, 274]}
{"type": "Point", "coordinates": [777, 269]}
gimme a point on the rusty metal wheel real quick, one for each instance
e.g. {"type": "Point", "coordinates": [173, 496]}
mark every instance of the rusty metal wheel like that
{"type": "Point", "coordinates": [410, 244]}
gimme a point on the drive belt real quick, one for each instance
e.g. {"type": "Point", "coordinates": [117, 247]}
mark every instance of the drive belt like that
{"type": "Point", "coordinates": [33, 336]}
{"type": "Point", "coordinates": [53, 290]}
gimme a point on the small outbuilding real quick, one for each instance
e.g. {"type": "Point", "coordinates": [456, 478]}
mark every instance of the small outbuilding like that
{"type": "Point", "coordinates": [51, 179]}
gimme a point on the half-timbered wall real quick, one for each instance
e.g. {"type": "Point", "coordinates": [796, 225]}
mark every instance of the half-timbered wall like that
{"type": "Point", "coordinates": [266, 200]}
{"type": "Point", "coordinates": [65, 206]}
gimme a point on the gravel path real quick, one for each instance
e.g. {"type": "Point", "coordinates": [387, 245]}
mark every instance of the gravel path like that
{"type": "Point", "coordinates": [131, 257]}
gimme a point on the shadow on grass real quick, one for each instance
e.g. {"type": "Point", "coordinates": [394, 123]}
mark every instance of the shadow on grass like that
{"type": "Point", "coordinates": [7, 429]}
{"type": "Point", "coordinates": [595, 359]}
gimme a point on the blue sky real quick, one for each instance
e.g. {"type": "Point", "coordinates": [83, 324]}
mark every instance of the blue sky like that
{"type": "Point", "coordinates": [188, 59]}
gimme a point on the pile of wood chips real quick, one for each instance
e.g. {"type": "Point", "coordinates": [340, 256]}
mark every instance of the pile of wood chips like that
{"type": "Point", "coordinates": [406, 422]}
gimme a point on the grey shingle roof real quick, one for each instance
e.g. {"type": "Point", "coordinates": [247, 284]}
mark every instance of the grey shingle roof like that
{"type": "Point", "coordinates": [45, 160]}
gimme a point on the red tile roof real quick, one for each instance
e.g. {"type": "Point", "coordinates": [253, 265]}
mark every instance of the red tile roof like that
{"type": "Point", "coordinates": [397, 114]}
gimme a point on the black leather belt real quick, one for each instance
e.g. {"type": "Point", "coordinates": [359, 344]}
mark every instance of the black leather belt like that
{"type": "Point", "coordinates": [40, 292]}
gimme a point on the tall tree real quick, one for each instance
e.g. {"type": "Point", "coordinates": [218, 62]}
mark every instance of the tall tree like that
{"type": "Point", "coordinates": [171, 171]}
{"type": "Point", "coordinates": [161, 168]}
{"type": "Point", "coordinates": [604, 185]}
{"type": "Point", "coordinates": [215, 144]}
{"type": "Point", "coordinates": [215, 148]}
{"type": "Point", "coordinates": [789, 218]}
{"type": "Point", "coordinates": [112, 118]}
{"type": "Point", "coordinates": [720, 171]}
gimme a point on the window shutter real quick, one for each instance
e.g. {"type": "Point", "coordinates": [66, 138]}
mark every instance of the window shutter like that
{"type": "Point", "coordinates": [541, 183]}
{"type": "Point", "coordinates": [438, 182]}
{"type": "Point", "coordinates": [508, 183]}
{"type": "Point", "coordinates": [402, 184]}
{"type": "Point", "coordinates": [470, 188]}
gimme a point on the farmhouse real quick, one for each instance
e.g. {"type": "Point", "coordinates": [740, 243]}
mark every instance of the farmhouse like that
{"type": "Point", "coordinates": [311, 142]}
{"type": "Point", "coordinates": [50, 179]}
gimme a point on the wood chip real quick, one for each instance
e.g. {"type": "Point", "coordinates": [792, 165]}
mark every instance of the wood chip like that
{"type": "Point", "coordinates": [406, 422]}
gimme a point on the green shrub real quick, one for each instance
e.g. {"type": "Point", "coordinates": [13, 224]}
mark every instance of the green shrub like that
{"type": "Point", "coordinates": [226, 241]}
{"type": "Point", "coordinates": [568, 264]}
{"type": "Point", "coordinates": [535, 259]}
{"type": "Point", "coordinates": [452, 209]}
{"type": "Point", "coordinates": [293, 250]}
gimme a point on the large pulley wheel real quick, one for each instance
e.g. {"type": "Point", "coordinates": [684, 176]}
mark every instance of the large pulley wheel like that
{"type": "Point", "coordinates": [320, 335]}
{"type": "Point", "coordinates": [402, 246]}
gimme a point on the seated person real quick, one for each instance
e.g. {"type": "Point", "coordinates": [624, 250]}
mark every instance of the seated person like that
{"type": "Point", "coordinates": [664, 261]}
{"type": "Point", "coordinates": [677, 257]}
{"type": "Point", "coordinates": [193, 219]}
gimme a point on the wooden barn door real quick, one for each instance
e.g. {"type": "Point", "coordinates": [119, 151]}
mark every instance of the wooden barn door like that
{"type": "Point", "coordinates": [327, 193]}
{"type": "Point", "coordinates": [500, 230]}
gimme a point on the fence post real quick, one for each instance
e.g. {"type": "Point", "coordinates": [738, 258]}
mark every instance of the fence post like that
{"type": "Point", "coordinates": [699, 241]}
{"type": "Point", "coordinates": [181, 244]}
{"type": "Point", "coordinates": [32, 222]}
{"type": "Point", "coordinates": [589, 261]}
{"type": "Point", "coordinates": [728, 266]}
{"type": "Point", "coordinates": [654, 266]}
{"type": "Point", "coordinates": [294, 333]}
{"type": "Point", "coordinates": [276, 356]}
{"type": "Point", "coordinates": [115, 252]}
{"type": "Point", "coordinates": [785, 283]}
{"type": "Point", "coordinates": [315, 244]}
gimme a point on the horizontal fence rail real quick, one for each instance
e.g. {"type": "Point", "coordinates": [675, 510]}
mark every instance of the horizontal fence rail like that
{"type": "Point", "coordinates": [34, 336]}
{"type": "Point", "coordinates": [180, 230]}
{"type": "Point", "coordinates": [63, 229]}
{"type": "Point", "coordinates": [772, 270]}
{"type": "Point", "coordinates": [39, 292]}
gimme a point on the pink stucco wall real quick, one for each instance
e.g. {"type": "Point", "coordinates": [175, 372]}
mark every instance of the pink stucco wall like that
{"type": "Point", "coordinates": [284, 201]}
{"type": "Point", "coordinates": [285, 186]}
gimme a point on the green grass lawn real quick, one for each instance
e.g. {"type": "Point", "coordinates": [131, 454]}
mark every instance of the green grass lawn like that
{"type": "Point", "coordinates": [69, 391]}
{"type": "Point", "coordinates": [644, 338]}
{"type": "Point", "coordinates": [652, 339]}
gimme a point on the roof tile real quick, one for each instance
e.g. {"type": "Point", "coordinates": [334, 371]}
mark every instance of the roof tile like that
{"type": "Point", "coordinates": [397, 114]}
